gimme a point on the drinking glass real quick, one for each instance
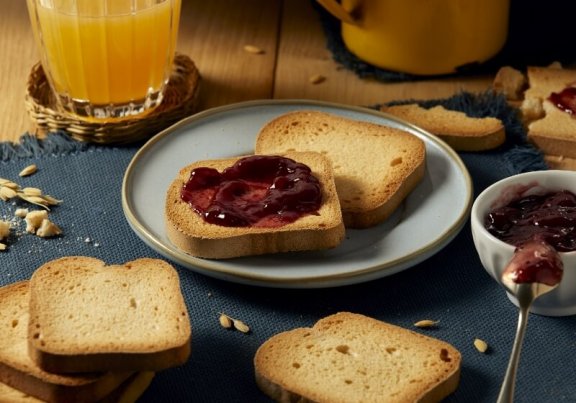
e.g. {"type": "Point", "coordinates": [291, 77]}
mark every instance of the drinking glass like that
{"type": "Point", "coordinates": [106, 59]}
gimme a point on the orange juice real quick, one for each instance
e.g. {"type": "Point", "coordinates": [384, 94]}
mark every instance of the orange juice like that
{"type": "Point", "coordinates": [106, 58]}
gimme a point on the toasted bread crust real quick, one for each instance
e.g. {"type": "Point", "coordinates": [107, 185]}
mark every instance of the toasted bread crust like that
{"type": "Point", "coordinates": [348, 357]}
{"type": "Point", "coordinates": [375, 166]}
{"type": "Point", "coordinates": [190, 233]}
{"type": "Point", "coordinates": [86, 316]}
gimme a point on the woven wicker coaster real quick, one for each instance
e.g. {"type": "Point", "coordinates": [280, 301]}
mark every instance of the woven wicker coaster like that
{"type": "Point", "coordinates": [178, 102]}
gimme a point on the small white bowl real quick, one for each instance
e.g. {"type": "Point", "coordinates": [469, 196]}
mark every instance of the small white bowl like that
{"type": "Point", "coordinates": [495, 254]}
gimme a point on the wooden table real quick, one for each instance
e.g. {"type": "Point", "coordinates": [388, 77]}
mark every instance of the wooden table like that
{"type": "Point", "coordinates": [214, 33]}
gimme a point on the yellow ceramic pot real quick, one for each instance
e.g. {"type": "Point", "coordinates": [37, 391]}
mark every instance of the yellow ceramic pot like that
{"type": "Point", "coordinates": [424, 37]}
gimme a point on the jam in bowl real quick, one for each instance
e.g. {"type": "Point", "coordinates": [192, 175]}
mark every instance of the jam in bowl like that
{"type": "Point", "coordinates": [535, 206]}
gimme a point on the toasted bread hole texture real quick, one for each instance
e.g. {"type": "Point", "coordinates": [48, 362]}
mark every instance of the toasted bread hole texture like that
{"type": "Point", "coordinates": [296, 365]}
{"type": "Point", "coordinates": [348, 381]}
{"type": "Point", "coordinates": [133, 303]}
{"type": "Point", "coordinates": [444, 355]}
{"type": "Point", "coordinates": [14, 322]}
{"type": "Point", "coordinates": [344, 349]}
{"type": "Point", "coordinates": [396, 161]}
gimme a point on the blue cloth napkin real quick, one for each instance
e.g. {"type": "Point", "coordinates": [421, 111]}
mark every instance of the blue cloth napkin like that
{"type": "Point", "coordinates": [451, 286]}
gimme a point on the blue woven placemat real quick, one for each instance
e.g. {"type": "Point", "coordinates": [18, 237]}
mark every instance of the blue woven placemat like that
{"type": "Point", "coordinates": [451, 286]}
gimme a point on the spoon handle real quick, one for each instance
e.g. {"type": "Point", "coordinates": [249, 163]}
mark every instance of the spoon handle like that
{"type": "Point", "coordinates": [507, 390]}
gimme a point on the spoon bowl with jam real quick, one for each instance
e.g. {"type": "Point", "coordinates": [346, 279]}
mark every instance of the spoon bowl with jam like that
{"type": "Point", "coordinates": [524, 229]}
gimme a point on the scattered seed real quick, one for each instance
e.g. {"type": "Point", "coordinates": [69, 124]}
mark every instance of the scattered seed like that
{"type": "Point", "coordinates": [225, 321]}
{"type": "Point", "coordinates": [51, 200]}
{"type": "Point", "coordinates": [480, 345]}
{"type": "Point", "coordinates": [3, 246]}
{"type": "Point", "coordinates": [11, 185]}
{"type": "Point", "coordinates": [7, 193]}
{"type": "Point", "coordinates": [240, 326]}
{"type": "Point", "coordinates": [32, 192]}
{"type": "Point", "coordinates": [253, 49]}
{"type": "Point", "coordinates": [317, 79]}
{"type": "Point", "coordinates": [29, 170]}
{"type": "Point", "coordinates": [9, 189]}
{"type": "Point", "coordinates": [426, 323]}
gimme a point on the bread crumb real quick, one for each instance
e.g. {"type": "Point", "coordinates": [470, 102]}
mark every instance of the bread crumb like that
{"type": "Point", "coordinates": [48, 229]}
{"type": "Point", "coordinates": [34, 220]}
{"type": "Point", "coordinates": [4, 229]}
{"type": "Point", "coordinates": [21, 212]}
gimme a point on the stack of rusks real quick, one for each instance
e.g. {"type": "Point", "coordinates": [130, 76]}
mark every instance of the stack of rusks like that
{"type": "Point", "coordinates": [81, 331]}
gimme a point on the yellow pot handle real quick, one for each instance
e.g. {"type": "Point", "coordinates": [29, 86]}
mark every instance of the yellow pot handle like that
{"type": "Point", "coordinates": [334, 8]}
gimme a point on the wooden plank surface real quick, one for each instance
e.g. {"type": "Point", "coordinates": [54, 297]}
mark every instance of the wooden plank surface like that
{"type": "Point", "coordinates": [214, 34]}
{"type": "Point", "coordinates": [17, 56]}
{"type": "Point", "coordinates": [302, 54]}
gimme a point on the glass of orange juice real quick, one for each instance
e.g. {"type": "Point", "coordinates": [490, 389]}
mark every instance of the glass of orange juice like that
{"type": "Point", "coordinates": [106, 59]}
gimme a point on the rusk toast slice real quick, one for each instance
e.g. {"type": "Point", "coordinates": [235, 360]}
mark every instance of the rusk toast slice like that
{"type": "Point", "coordinates": [187, 230]}
{"type": "Point", "coordinates": [20, 376]}
{"type": "Point", "coordinates": [350, 358]}
{"type": "Point", "coordinates": [461, 132]}
{"type": "Point", "coordinates": [375, 166]}
{"type": "Point", "coordinates": [86, 316]}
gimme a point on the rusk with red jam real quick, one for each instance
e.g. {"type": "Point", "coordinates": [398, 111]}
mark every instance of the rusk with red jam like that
{"type": "Point", "coordinates": [191, 233]}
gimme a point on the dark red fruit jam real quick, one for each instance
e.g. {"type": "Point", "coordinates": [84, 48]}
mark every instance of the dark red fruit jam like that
{"type": "Point", "coordinates": [565, 100]}
{"type": "Point", "coordinates": [260, 191]}
{"type": "Point", "coordinates": [550, 218]}
{"type": "Point", "coordinates": [536, 262]}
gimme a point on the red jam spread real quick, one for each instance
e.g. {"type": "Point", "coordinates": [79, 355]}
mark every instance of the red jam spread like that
{"type": "Point", "coordinates": [549, 217]}
{"type": "Point", "coordinates": [565, 100]}
{"type": "Point", "coordinates": [257, 191]}
{"type": "Point", "coordinates": [539, 226]}
{"type": "Point", "coordinates": [534, 262]}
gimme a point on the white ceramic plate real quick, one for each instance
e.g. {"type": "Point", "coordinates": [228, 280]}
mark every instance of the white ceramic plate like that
{"type": "Point", "coordinates": [427, 221]}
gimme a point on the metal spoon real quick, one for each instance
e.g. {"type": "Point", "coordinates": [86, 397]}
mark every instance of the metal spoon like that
{"type": "Point", "coordinates": [532, 256]}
